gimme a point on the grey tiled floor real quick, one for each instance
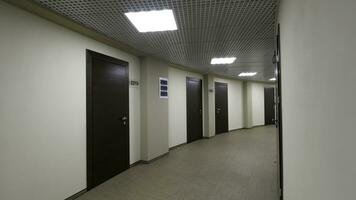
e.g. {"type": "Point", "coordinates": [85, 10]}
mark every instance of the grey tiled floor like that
{"type": "Point", "coordinates": [239, 165]}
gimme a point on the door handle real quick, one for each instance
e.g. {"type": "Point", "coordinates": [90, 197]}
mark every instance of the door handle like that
{"type": "Point", "coordinates": [276, 122]}
{"type": "Point", "coordinates": [124, 120]}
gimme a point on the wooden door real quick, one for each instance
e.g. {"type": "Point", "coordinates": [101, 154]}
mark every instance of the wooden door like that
{"type": "Point", "coordinates": [221, 108]}
{"type": "Point", "coordinates": [194, 109]}
{"type": "Point", "coordinates": [107, 118]}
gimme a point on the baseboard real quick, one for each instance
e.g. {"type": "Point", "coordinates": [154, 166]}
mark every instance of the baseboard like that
{"type": "Point", "coordinates": [205, 137]}
{"type": "Point", "coordinates": [154, 159]}
{"type": "Point", "coordinates": [176, 146]}
{"type": "Point", "coordinates": [136, 163]}
{"type": "Point", "coordinates": [257, 126]}
{"type": "Point", "coordinates": [76, 195]}
{"type": "Point", "coordinates": [236, 129]}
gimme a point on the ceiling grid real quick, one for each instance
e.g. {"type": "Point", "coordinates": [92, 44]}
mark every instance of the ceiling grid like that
{"type": "Point", "coordinates": [206, 29]}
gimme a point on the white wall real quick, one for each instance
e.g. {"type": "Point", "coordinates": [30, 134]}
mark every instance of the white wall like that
{"type": "Point", "coordinates": [254, 103]}
{"type": "Point", "coordinates": [318, 98]}
{"type": "Point", "coordinates": [209, 106]}
{"type": "Point", "coordinates": [43, 107]}
{"type": "Point", "coordinates": [258, 104]}
{"type": "Point", "coordinates": [177, 105]}
{"type": "Point", "coordinates": [235, 102]}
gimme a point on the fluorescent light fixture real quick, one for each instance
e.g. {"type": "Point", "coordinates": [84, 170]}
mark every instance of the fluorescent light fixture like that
{"type": "Point", "coordinates": [272, 79]}
{"type": "Point", "coordinates": [152, 21]}
{"type": "Point", "coordinates": [247, 74]}
{"type": "Point", "coordinates": [217, 61]}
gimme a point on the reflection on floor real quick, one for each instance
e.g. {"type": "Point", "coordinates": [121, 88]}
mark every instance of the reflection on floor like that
{"type": "Point", "coordinates": [240, 165]}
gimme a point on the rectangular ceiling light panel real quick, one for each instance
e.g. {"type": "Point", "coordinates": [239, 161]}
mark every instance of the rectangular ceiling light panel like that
{"type": "Point", "coordinates": [152, 21]}
{"type": "Point", "coordinates": [217, 61]}
{"type": "Point", "coordinates": [247, 74]}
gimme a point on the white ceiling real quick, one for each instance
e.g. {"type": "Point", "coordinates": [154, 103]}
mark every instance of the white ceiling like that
{"type": "Point", "coordinates": [206, 29]}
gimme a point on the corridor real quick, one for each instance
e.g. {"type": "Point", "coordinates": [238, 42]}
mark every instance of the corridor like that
{"type": "Point", "coordinates": [175, 100]}
{"type": "Point", "coordinates": [239, 165]}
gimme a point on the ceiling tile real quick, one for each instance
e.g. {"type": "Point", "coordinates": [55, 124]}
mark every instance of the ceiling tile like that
{"type": "Point", "coordinates": [206, 29]}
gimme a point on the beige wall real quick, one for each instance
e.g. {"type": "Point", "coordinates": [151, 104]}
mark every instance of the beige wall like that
{"type": "Point", "coordinates": [247, 102]}
{"type": "Point", "coordinates": [177, 105]}
{"type": "Point", "coordinates": [154, 115]}
{"type": "Point", "coordinates": [43, 106]}
{"type": "Point", "coordinates": [235, 102]}
{"type": "Point", "coordinates": [319, 94]}
{"type": "Point", "coordinates": [258, 104]}
{"type": "Point", "coordinates": [254, 103]}
{"type": "Point", "coordinates": [209, 106]}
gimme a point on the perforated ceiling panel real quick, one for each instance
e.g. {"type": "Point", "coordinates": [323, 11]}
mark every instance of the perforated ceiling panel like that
{"type": "Point", "coordinates": [206, 29]}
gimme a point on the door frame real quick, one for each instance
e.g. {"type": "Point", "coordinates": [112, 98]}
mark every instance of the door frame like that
{"type": "Point", "coordinates": [201, 97]}
{"type": "Point", "coordinates": [89, 112]}
{"type": "Point", "coordinates": [278, 103]}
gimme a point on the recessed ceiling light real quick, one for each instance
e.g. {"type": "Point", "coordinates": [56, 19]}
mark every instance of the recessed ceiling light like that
{"type": "Point", "coordinates": [152, 21]}
{"type": "Point", "coordinates": [272, 79]}
{"type": "Point", "coordinates": [247, 74]}
{"type": "Point", "coordinates": [228, 60]}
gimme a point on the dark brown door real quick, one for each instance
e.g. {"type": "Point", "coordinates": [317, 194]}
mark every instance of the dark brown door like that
{"type": "Point", "coordinates": [107, 118]}
{"type": "Point", "coordinates": [194, 109]}
{"type": "Point", "coordinates": [269, 106]}
{"type": "Point", "coordinates": [221, 108]}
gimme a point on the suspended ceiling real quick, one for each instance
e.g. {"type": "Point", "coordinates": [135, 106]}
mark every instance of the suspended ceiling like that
{"type": "Point", "coordinates": [206, 29]}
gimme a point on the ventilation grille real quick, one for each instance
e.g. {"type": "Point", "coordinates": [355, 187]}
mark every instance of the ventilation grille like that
{"type": "Point", "coordinates": [206, 29]}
